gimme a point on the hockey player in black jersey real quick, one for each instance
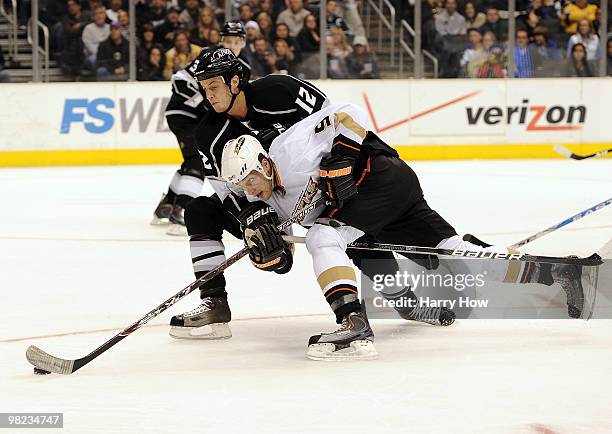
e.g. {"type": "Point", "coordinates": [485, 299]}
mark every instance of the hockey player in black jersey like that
{"type": "Point", "coordinates": [186, 109]}
{"type": "Point", "coordinates": [233, 37]}
{"type": "Point", "coordinates": [268, 105]}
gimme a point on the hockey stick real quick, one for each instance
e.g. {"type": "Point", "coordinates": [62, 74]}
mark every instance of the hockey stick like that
{"type": "Point", "coordinates": [46, 362]}
{"type": "Point", "coordinates": [565, 222]}
{"type": "Point", "coordinates": [569, 154]}
{"type": "Point", "coordinates": [593, 260]}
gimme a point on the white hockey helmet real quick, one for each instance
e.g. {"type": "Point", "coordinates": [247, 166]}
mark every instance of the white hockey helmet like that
{"type": "Point", "coordinates": [240, 157]}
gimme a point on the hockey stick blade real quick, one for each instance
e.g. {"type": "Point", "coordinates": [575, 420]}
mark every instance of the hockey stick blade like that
{"type": "Point", "coordinates": [569, 154]}
{"type": "Point", "coordinates": [47, 362]}
{"type": "Point", "coordinates": [42, 360]}
{"type": "Point", "coordinates": [562, 150]}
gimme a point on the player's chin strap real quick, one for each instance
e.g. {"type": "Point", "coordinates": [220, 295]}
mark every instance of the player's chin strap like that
{"type": "Point", "coordinates": [234, 96]}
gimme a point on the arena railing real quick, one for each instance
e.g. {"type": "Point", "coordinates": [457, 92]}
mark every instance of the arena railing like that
{"type": "Point", "coordinates": [12, 34]}
{"type": "Point", "coordinates": [39, 50]}
{"type": "Point", "coordinates": [389, 23]}
{"type": "Point", "coordinates": [404, 47]}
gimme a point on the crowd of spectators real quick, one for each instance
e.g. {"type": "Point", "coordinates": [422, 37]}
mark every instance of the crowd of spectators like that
{"type": "Point", "coordinates": [553, 38]}
{"type": "Point", "coordinates": [90, 38]}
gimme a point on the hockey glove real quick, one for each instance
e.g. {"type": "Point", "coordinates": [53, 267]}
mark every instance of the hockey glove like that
{"type": "Point", "coordinates": [267, 249]}
{"type": "Point", "coordinates": [267, 135]}
{"type": "Point", "coordinates": [337, 182]}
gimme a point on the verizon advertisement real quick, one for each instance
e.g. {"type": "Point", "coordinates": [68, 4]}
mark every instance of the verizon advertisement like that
{"type": "Point", "coordinates": [426, 113]}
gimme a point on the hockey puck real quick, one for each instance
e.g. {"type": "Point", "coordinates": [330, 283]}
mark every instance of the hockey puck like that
{"type": "Point", "coordinates": [39, 371]}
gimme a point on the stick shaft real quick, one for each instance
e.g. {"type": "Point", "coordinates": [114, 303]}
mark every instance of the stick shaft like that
{"type": "Point", "coordinates": [565, 222]}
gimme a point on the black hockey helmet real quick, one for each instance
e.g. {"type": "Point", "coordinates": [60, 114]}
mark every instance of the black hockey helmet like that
{"type": "Point", "coordinates": [232, 28]}
{"type": "Point", "coordinates": [221, 62]}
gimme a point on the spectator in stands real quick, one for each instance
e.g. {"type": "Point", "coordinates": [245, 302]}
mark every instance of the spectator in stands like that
{"type": "Point", "coordinates": [252, 33]}
{"type": "Point", "coordinates": [586, 37]}
{"type": "Point", "coordinates": [336, 66]}
{"type": "Point", "coordinates": [473, 19]}
{"type": "Point", "coordinates": [361, 63]}
{"type": "Point", "coordinates": [474, 56]}
{"type": "Point", "coordinates": [547, 50]}
{"type": "Point", "coordinates": [495, 24]}
{"type": "Point", "coordinates": [351, 16]}
{"type": "Point", "coordinates": [308, 40]}
{"type": "Point", "coordinates": [281, 31]}
{"type": "Point", "coordinates": [4, 75]}
{"type": "Point", "coordinates": [190, 16]}
{"type": "Point", "coordinates": [165, 33]}
{"type": "Point", "coordinates": [152, 68]}
{"type": "Point", "coordinates": [494, 65]}
{"type": "Point", "coordinates": [341, 47]}
{"type": "Point", "coordinates": [267, 7]}
{"type": "Point", "coordinates": [113, 56]}
{"type": "Point", "coordinates": [147, 41]}
{"type": "Point", "coordinates": [334, 20]}
{"type": "Point", "coordinates": [93, 35]}
{"type": "Point", "coordinates": [155, 13]}
{"type": "Point", "coordinates": [246, 13]}
{"type": "Point", "coordinates": [263, 59]}
{"type": "Point", "coordinates": [180, 54]}
{"type": "Point", "coordinates": [284, 58]}
{"type": "Point", "coordinates": [72, 30]}
{"type": "Point", "coordinates": [264, 21]}
{"type": "Point", "coordinates": [609, 51]}
{"type": "Point", "coordinates": [200, 35]}
{"type": "Point", "coordinates": [539, 14]}
{"type": "Point", "coordinates": [522, 55]}
{"type": "Point", "coordinates": [449, 21]}
{"type": "Point", "coordinates": [214, 38]}
{"type": "Point", "coordinates": [113, 10]}
{"type": "Point", "coordinates": [293, 16]}
{"type": "Point", "coordinates": [577, 64]}
{"type": "Point", "coordinates": [577, 11]}
{"type": "Point", "coordinates": [124, 20]}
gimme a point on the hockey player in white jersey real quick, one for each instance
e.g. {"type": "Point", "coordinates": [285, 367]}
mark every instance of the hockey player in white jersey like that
{"type": "Point", "coordinates": [369, 192]}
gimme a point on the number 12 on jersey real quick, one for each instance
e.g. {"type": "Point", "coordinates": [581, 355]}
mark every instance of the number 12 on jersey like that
{"type": "Point", "coordinates": [306, 101]}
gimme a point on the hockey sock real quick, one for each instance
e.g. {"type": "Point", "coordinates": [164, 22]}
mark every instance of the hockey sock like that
{"type": "Point", "coordinates": [207, 254]}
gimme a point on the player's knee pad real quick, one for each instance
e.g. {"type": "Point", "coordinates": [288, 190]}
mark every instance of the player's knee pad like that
{"type": "Point", "coordinates": [204, 216]}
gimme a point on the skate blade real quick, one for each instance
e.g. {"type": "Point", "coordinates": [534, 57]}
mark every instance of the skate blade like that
{"type": "Point", "coordinates": [177, 230]}
{"type": "Point", "coordinates": [358, 350]}
{"type": "Point", "coordinates": [207, 332]}
{"type": "Point", "coordinates": [590, 277]}
{"type": "Point", "coordinates": [160, 221]}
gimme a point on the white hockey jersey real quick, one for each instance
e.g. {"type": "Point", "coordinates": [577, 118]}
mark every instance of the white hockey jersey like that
{"type": "Point", "coordinates": [297, 155]}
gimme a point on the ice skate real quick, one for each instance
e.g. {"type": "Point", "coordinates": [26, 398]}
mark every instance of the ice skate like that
{"type": "Point", "coordinates": [354, 340]}
{"type": "Point", "coordinates": [438, 316]}
{"type": "Point", "coordinates": [570, 279]}
{"type": "Point", "coordinates": [207, 321]}
{"type": "Point", "coordinates": [161, 215]}
{"type": "Point", "coordinates": [177, 222]}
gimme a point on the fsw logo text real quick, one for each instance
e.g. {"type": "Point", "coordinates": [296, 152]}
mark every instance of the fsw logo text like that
{"type": "Point", "coordinates": [98, 115]}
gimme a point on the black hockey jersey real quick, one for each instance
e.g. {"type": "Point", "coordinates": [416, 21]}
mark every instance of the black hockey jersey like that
{"type": "Point", "coordinates": [188, 97]}
{"type": "Point", "coordinates": [274, 99]}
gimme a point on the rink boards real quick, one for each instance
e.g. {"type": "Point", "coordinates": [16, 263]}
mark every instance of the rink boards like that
{"type": "Point", "coordinates": [123, 123]}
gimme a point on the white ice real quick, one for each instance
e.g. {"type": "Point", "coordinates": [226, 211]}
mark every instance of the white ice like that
{"type": "Point", "coordinates": [78, 262]}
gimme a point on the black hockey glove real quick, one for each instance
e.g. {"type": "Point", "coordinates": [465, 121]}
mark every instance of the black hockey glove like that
{"type": "Point", "coordinates": [267, 135]}
{"type": "Point", "coordinates": [267, 249]}
{"type": "Point", "coordinates": [337, 182]}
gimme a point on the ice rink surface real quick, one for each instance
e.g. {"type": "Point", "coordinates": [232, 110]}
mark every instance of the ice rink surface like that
{"type": "Point", "coordinates": [79, 262]}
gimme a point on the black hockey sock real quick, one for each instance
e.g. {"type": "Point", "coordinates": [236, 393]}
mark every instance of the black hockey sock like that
{"type": "Point", "coordinates": [170, 196]}
{"type": "Point", "coordinates": [214, 287]}
{"type": "Point", "coordinates": [343, 300]}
